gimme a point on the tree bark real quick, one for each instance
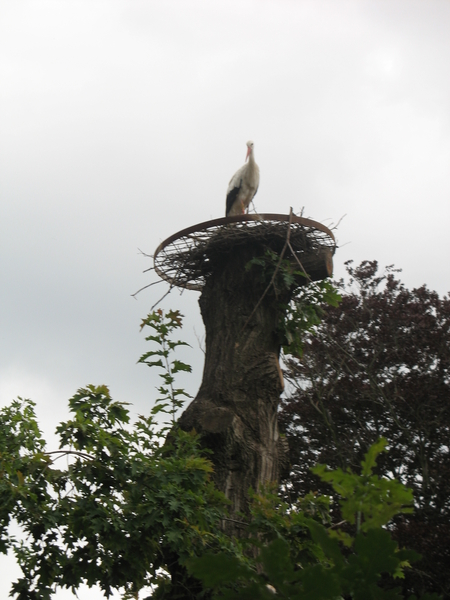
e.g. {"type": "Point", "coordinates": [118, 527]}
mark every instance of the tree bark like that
{"type": "Point", "coordinates": [236, 407]}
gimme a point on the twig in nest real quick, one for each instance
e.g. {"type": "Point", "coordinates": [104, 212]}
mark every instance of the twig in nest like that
{"type": "Point", "coordinates": [145, 254]}
{"type": "Point", "coordinates": [258, 217]}
{"type": "Point", "coordinates": [298, 260]}
{"type": "Point", "coordinates": [338, 223]}
{"type": "Point", "coordinates": [194, 257]}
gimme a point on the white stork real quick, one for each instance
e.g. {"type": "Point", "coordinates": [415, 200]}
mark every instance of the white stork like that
{"type": "Point", "coordinates": [243, 185]}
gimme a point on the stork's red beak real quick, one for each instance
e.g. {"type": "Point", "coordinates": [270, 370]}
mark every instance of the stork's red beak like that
{"type": "Point", "coordinates": [248, 153]}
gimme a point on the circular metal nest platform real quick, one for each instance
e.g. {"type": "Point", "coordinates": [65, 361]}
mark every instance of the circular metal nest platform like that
{"type": "Point", "coordinates": [186, 258]}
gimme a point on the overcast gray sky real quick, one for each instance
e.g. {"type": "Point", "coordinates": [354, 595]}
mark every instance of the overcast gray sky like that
{"type": "Point", "coordinates": [121, 122]}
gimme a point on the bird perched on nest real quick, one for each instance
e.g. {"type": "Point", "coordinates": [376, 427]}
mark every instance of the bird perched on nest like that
{"type": "Point", "coordinates": [243, 185]}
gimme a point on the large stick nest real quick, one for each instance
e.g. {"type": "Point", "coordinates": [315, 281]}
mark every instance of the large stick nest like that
{"type": "Point", "coordinates": [187, 258]}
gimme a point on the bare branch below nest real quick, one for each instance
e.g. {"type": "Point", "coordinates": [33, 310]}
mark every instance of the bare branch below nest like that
{"type": "Point", "coordinates": [162, 297]}
{"type": "Point", "coordinates": [145, 287]}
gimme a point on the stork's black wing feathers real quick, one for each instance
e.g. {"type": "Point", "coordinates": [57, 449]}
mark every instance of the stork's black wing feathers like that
{"type": "Point", "coordinates": [231, 197]}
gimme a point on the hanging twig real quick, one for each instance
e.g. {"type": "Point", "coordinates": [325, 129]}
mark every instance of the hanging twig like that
{"type": "Point", "coordinates": [162, 298]}
{"type": "Point", "coordinates": [200, 342]}
{"type": "Point", "coordinates": [288, 235]}
{"type": "Point", "coordinates": [145, 287]}
{"type": "Point", "coordinates": [298, 260]}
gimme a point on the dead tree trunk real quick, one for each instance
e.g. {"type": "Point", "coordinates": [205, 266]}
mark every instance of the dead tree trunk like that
{"type": "Point", "coordinates": [236, 407]}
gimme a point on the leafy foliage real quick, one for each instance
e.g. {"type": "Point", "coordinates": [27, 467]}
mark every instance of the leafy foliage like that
{"type": "Point", "coordinates": [379, 366]}
{"type": "Point", "coordinates": [136, 507]}
{"type": "Point", "coordinates": [130, 500]}
{"type": "Point", "coordinates": [305, 312]}
{"type": "Point", "coordinates": [377, 499]}
{"type": "Point", "coordinates": [305, 309]}
{"type": "Point", "coordinates": [172, 399]}
{"type": "Point", "coordinates": [126, 501]}
{"type": "Point", "coordinates": [303, 559]}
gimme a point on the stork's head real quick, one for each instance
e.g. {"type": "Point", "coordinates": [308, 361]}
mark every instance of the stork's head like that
{"type": "Point", "coordinates": [250, 145]}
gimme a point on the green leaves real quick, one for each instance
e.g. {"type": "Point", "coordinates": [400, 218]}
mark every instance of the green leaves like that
{"type": "Point", "coordinates": [305, 312]}
{"type": "Point", "coordinates": [128, 504]}
{"type": "Point", "coordinates": [96, 423]}
{"type": "Point", "coordinates": [129, 500]}
{"type": "Point", "coordinates": [172, 399]}
{"type": "Point", "coordinates": [303, 559]}
{"type": "Point", "coordinates": [216, 570]}
{"type": "Point", "coordinates": [368, 498]}
{"type": "Point", "coordinates": [379, 365]}
{"type": "Point", "coordinates": [308, 299]}
{"type": "Point", "coordinates": [134, 504]}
